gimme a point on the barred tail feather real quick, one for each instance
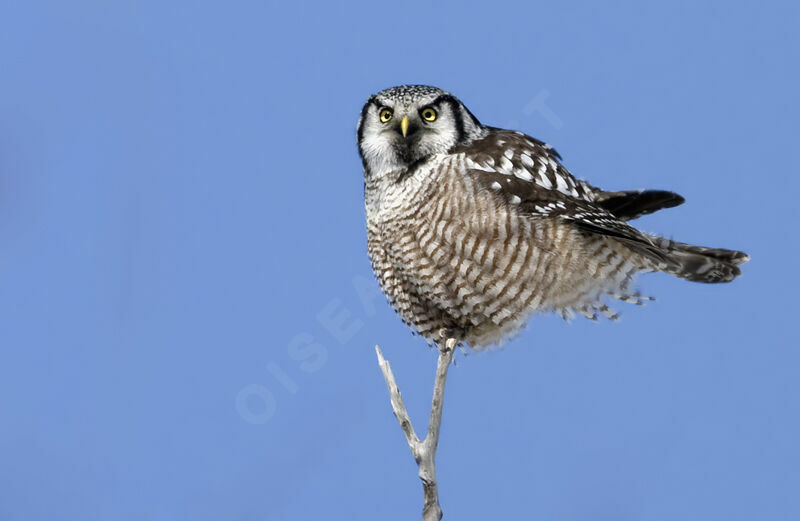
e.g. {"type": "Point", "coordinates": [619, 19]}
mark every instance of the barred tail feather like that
{"type": "Point", "coordinates": [701, 264]}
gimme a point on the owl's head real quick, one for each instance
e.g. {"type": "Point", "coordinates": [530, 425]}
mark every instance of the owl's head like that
{"type": "Point", "coordinates": [403, 126]}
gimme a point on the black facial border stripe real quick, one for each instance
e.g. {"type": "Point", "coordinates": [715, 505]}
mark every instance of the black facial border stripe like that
{"type": "Point", "coordinates": [455, 107]}
{"type": "Point", "coordinates": [360, 131]}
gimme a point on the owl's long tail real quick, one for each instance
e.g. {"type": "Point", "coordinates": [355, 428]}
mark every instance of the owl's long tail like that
{"type": "Point", "coordinates": [695, 263]}
{"type": "Point", "coordinates": [698, 263]}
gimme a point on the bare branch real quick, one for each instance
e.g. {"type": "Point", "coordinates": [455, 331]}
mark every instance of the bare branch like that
{"type": "Point", "coordinates": [435, 423]}
{"type": "Point", "coordinates": [424, 451]}
{"type": "Point", "coordinates": [398, 407]}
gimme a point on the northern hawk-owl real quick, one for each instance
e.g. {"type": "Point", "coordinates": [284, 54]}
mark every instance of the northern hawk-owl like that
{"type": "Point", "coordinates": [471, 229]}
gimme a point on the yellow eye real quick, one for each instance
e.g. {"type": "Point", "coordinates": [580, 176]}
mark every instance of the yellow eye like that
{"type": "Point", "coordinates": [385, 115]}
{"type": "Point", "coordinates": [429, 115]}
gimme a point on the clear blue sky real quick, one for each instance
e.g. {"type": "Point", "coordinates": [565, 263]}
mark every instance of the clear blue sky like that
{"type": "Point", "coordinates": [187, 312]}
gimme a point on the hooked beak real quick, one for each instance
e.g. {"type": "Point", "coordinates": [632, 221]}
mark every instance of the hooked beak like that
{"type": "Point", "coordinates": [404, 125]}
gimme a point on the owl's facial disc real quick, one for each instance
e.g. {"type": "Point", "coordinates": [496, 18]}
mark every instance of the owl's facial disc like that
{"type": "Point", "coordinates": [401, 126]}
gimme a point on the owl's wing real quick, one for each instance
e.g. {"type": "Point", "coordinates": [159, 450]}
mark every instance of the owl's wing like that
{"type": "Point", "coordinates": [632, 204]}
{"type": "Point", "coordinates": [526, 173]}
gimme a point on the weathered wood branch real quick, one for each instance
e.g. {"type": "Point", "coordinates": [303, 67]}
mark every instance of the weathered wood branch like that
{"type": "Point", "coordinates": [424, 451]}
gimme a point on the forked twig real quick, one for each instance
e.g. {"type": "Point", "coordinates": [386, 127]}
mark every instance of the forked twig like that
{"type": "Point", "coordinates": [424, 451]}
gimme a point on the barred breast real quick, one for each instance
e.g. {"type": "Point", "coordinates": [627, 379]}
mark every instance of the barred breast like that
{"type": "Point", "coordinates": [454, 257]}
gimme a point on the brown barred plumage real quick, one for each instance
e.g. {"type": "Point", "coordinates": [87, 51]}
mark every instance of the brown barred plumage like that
{"type": "Point", "coordinates": [471, 229]}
